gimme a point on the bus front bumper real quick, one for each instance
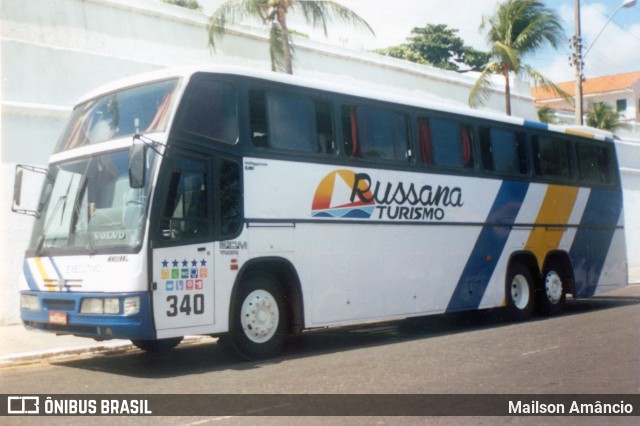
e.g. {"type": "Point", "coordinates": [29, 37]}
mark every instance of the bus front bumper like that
{"type": "Point", "coordinates": [101, 316]}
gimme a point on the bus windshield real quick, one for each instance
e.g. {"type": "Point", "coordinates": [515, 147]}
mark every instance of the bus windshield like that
{"type": "Point", "coordinates": [87, 204]}
{"type": "Point", "coordinates": [141, 109]}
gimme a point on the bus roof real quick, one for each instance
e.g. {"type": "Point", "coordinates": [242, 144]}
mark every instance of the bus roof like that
{"type": "Point", "coordinates": [306, 82]}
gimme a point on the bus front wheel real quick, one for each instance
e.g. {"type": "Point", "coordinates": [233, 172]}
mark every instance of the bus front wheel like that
{"type": "Point", "coordinates": [258, 322]}
{"type": "Point", "coordinates": [519, 292]}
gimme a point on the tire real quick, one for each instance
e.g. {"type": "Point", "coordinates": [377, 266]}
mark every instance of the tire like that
{"type": "Point", "coordinates": [157, 346]}
{"type": "Point", "coordinates": [258, 322]}
{"type": "Point", "coordinates": [552, 294]}
{"type": "Point", "coordinates": [519, 292]}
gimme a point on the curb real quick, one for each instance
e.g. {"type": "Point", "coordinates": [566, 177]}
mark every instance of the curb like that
{"type": "Point", "coordinates": [37, 357]}
{"type": "Point", "coordinates": [118, 347]}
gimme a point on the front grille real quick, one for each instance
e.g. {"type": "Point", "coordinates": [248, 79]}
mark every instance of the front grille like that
{"type": "Point", "coordinates": [59, 304]}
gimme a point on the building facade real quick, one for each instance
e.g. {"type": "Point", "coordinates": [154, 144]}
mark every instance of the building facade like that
{"type": "Point", "coordinates": [620, 91]}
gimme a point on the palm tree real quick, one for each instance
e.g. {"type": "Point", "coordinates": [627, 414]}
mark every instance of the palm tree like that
{"type": "Point", "coordinates": [546, 115]}
{"type": "Point", "coordinates": [602, 116]}
{"type": "Point", "coordinates": [274, 13]}
{"type": "Point", "coordinates": [517, 28]}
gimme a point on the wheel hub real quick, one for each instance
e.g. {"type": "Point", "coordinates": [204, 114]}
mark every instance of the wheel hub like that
{"type": "Point", "coordinates": [259, 316]}
{"type": "Point", "coordinates": [553, 287]}
{"type": "Point", "coordinates": [520, 291]}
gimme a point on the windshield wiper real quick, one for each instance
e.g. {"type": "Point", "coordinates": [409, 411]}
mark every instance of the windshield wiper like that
{"type": "Point", "coordinates": [62, 201]}
{"type": "Point", "coordinates": [63, 198]}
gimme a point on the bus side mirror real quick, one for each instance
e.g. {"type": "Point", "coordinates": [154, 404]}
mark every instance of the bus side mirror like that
{"type": "Point", "coordinates": [29, 181]}
{"type": "Point", "coordinates": [17, 189]}
{"type": "Point", "coordinates": [137, 164]}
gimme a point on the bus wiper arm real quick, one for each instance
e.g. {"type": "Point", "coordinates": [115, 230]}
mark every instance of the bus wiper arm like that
{"type": "Point", "coordinates": [63, 198]}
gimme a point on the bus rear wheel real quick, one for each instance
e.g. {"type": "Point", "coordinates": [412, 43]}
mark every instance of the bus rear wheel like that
{"type": "Point", "coordinates": [519, 292]}
{"type": "Point", "coordinates": [552, 295]}
{"type": "Point", "coordinates": [159, 345]}
{"type": "Point", "coordinates": [258, 323]}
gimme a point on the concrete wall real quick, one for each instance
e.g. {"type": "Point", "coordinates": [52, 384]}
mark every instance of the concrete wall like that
{"type": "Point", "coordinates": [52, 51]}
{"type": "Point", "coordinates": [629, 159]}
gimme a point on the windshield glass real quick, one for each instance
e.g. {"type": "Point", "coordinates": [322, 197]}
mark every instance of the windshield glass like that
{"type": "Point", "coordinates": [141, 109]}
{"type": "Point", "coordinates": [87, 204]}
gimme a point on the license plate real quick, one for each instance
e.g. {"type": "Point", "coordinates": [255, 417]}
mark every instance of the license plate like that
{"type": "Point", "coordinates": [58, 317]}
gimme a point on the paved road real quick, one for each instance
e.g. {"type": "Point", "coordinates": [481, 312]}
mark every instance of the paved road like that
{"type": "Point", "coordinates": [594, 347]}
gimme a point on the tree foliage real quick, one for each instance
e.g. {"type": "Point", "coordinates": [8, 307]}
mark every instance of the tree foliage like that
{"type": "Point", "coordinates": [440, 46]}
{"type": "Point", "coordinates": [273, 13]}
{"type": "Point", "coordinates": [601, 115]}
{"type": "Point", "coordinates": [518, 28]}
{"type": "Point", "coordinates": [546, 115]}
{"type": "Point", "coordinates": [189, 4]}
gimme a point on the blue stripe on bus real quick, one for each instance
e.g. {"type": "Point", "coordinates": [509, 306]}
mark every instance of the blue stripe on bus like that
{"type": "Point", "coordinates": [493, 237]}
{"type": "Point", "coordinates": [28, 276]}
{"type": "Point", "coordinates": [55, 267]}
{"type": "Point", "coordinates": [536, 125]}
{"type": "Point", "coordinates": [593, 239]}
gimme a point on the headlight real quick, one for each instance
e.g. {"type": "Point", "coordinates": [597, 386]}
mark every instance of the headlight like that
{"type": "Point", "coordinates": [103, 305]}
{"type": "Point", "coordinates": [111, 306]}
{"type": "Point", "coordinates": [131, 305]}
{"type": "Point", "coordinates": [30, 301]}
{"type": "Point", "coordinates": [91, 306]}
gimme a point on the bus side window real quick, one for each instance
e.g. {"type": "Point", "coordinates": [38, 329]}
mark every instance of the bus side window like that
{"type": "Point", "coordinates": [503, 151]}
{"type": "Point", "coordinates": [450, 142]}
{"type": "Point", "coordinates": [291, 122]}
{"type": "Point", "coordinates": [288, 122]}
{"type": "Point", "coordinates": [186, 215]}
{"type": "Point", "coordinates": [211, 112]}
{"type": "Point", "coordinates": [230, 198]}
{"type": "Point", "coordinates": [375, 133]}
{"type": "Point", "coordinates": [594, 163]}
{"type": "Point", "coordinates": [551, 157]}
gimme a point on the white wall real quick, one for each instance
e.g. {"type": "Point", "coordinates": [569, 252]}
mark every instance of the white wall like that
{"type": "Point", "coordinates": [629, 159]}
{"type": "Point", "coordinates": [52, 51]}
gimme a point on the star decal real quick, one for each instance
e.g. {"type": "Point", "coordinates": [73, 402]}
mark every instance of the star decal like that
{"type": "Point", "coordinates": [175, 263]}
{"type": "Point", "coordinates": [165, 263]}
{"type": "Point", "coordinates": [203, 263]}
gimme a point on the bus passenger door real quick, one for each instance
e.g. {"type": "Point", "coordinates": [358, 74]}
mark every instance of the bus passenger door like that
{"type": "Point", "coordinates": [183, 284]}
{"type": "Point", "coordinates": [183, 287]}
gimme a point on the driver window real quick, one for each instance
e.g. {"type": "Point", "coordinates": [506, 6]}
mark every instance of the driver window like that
{"type": "Point", "coordinates": [186, 211]}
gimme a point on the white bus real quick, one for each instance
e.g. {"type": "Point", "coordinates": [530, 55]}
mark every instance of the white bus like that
{"type": "Point", "coordinates": [229, 202]}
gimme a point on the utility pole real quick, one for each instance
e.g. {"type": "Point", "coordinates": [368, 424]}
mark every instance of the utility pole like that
{"type": "Point", "coordinates": [578, 57]}
{"type": "Point", "coordinates": [578, 63]}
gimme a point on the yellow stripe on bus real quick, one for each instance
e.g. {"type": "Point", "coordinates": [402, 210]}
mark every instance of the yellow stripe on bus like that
{"type": "Point", "coordinates": [553, 215]}
{"type": "Point", "coordinates": [43, 273]}
{"type": "Point", "coordinates": [580, 133]}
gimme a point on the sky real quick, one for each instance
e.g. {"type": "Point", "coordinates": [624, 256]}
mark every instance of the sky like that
{"type": "Point", "coordinates": [616, 50]}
